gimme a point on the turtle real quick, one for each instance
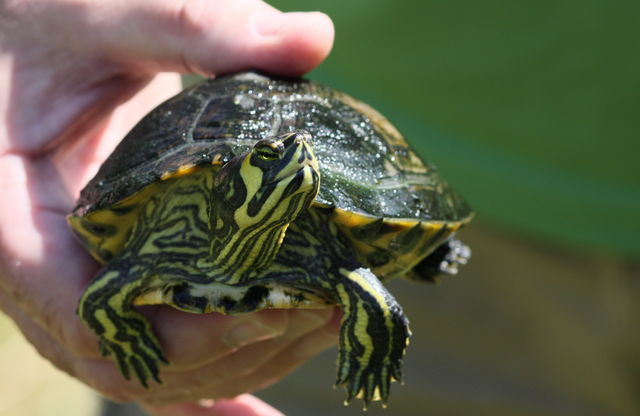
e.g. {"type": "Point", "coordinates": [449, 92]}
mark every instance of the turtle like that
{"type": "Point", "coordinates": [250, 191]}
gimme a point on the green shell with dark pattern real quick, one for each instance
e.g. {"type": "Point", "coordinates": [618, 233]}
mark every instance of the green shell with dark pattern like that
{"type": "Point", "coordinates": [366, 165]}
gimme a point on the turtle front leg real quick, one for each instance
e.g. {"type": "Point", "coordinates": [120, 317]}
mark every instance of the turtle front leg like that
{"type": "Point", "coordinates": [373, 336]}
{"type": "Point", "coordinates": [106, 307]}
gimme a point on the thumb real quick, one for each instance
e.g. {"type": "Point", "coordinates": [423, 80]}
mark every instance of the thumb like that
{"type": "Point", "coordinates": [212, 36]}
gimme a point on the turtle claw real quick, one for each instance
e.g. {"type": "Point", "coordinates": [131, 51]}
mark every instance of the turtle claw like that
{"type": "Point", "coordinates": [458, 255]}
{"type": "Point", "coordinates": [137, 358]}
{"type": "Point", "coordinates": [371, 382]}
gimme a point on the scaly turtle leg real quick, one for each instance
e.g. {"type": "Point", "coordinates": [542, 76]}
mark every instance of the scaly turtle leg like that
{"type": "Point", "coordinates": [444, 260]}
{"type": "Point", "coordinates": [373, 336]}
{"type": "Point", "coordinates": [374, 331]}
{"type": "Point", "coordinates": [107, 308]}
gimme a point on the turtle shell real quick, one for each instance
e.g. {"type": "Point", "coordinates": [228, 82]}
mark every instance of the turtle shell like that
{"type": "Point", "coordinates": [371, 180]}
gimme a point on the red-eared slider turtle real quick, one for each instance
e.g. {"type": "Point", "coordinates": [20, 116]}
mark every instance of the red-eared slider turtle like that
{"type": "Point", "coordinates": [249, 192]}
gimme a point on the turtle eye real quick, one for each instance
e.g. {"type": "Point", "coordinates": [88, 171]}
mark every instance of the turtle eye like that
{"type": "Point", "coordinates": [267, 153]}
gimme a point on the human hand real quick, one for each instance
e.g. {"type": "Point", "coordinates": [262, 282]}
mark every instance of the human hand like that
{"type": "Point", "coordinates": [77, 74]}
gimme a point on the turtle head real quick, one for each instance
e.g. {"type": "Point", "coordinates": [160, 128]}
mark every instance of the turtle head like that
{"type": "Point", "coordinates": [256, 196]}
{"type": "Point", "coordinates": [286, 161]}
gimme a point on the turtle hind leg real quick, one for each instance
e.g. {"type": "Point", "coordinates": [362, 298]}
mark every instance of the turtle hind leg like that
{"type": "Point", "coordinates": [445, 259]}
{"type": "Point", "coordinates": [373, 336]}
{"type": "Point", "coordinates": [106, 307]}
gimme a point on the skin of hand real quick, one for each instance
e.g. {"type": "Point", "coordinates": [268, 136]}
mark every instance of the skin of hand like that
{"type": "Point", "coordinates": [76, 76]}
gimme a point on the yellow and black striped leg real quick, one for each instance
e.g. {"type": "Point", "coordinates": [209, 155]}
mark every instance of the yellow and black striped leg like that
{"type": "Point", "coordinates": [373, 336]}
{"type": "Point", "coordinates": [107, 308]}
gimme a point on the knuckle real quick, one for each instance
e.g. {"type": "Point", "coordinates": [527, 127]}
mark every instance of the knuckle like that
{"type": "Point", "coordinates": [191, 27]}
{"type": "Point", "coordinates": [190, 20]}
{"type": "Point", "coordinates": [189, 15]}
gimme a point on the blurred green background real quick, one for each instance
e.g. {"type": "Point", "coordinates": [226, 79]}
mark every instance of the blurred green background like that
{"type": "Point", "coordinates": [530, 110]}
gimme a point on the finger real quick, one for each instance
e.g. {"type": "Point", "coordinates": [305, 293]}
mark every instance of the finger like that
{"type": "Point", "coordinates": [194, 340]}
{"type": "Point", "coordinates": [203, 36]}
{"type": "Point", "coordinates": [244, 405]}
{"type": "Point", "coordinates": [206, 381]}
{"type": "Point", "coordinates": [286, 361]}
{"type": "Point", "coordinates": [248, 358]}
{"type": "Point", "coordinates": [211, 37]}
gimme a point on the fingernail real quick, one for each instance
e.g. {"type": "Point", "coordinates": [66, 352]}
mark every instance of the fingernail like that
{"type": "Point", "coordinates": [249, 332]}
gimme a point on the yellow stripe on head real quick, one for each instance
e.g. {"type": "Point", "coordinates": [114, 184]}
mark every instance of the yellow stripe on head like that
{"type": "Point", "coordinates": [261, 194]}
